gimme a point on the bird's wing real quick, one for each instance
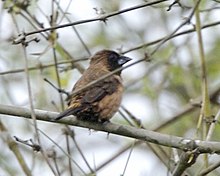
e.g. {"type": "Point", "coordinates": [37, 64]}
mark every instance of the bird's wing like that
{"type": "Point", "coordinates": [100, 90]}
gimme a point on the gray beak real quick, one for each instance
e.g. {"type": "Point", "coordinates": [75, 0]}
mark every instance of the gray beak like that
{"type": "Point", "coordinates": [123, 59]}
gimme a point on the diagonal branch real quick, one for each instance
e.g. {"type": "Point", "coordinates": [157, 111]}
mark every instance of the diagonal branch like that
{"type": "Point", "coordinates": [103, 18]}
{"type": "Point", "coordinates": [127, 131]}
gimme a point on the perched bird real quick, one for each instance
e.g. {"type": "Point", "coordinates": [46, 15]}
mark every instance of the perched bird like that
{"type": "Point", "coordinates": [102, 100]}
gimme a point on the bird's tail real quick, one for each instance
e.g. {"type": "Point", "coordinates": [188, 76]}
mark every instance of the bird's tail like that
{"type": "Point", "coordinates": [65, 113]}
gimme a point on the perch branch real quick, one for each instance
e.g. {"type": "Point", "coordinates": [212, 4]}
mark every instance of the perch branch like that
{"type": "Point", "coordinates": [127, 131]}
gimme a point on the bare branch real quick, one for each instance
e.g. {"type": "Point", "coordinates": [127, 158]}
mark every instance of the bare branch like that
{"type": "Point", "coordinates": [101, 18]}
{"type": "Point", "coordinates": [187, 159]}
{"type": "Point", "coordinates": [127, 131]}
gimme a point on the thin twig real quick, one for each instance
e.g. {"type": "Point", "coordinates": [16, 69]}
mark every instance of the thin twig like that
{"type": "Point", "coordinates": [101, 18]}
{"type": "Point", "coordinates": [15, 149]}
{"type": "Point", "coordinates": [129, 156]}
{"type": "Point", "coordinates": [61, 149]}
{"type": "Point", "coordinates": [175, 35]}
{"type": "Point", "coordinates": [74, 28]}
{"type": "Point", "coordinates": [168, 37]}
{"type": "Point", "coordinates": [69, 153]}
{"type": "Point", "coordinates": [212, 126]}
{"type": "Point", "coordinates": [29, 143]}
{"type": "Point", "coordinates": [185, 110]}
{"type": "Point", "coordinates": [33, 116]}
{"type": "Point", "coordinates": [125, 118]}
{"type": "Point", "coordinates": [58, 89]}
{"type": "Point", "coordinates": [209, 169]}
{"type": "Point", "coordinates": [205, 112]}
{"type": "Point", "coordinates": [42, 66]}
{"type": "Point", "coordinates": [57, 75]}
{"type": "Point", "coordinates": [71, 133]}
{"type": "Point", "coordinates": [124, 52]}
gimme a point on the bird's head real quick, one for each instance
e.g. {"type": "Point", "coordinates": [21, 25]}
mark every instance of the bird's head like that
{"type": "Point", "coordinates": [110, 59]}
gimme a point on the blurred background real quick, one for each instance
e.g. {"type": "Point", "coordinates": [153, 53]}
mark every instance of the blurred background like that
{"type": "Point", "coordinates": [162, 93]}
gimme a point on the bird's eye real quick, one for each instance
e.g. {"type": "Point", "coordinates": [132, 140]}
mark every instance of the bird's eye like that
{"type": "Point", "coordinates": [113, 57]}
{"type": "Point", "coordinates": [113, 61]}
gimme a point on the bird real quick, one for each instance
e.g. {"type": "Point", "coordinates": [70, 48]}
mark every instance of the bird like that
{"type": "Point", "coordinates": [102, 100]}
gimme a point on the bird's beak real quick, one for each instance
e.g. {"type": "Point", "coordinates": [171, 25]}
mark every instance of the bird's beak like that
{"type": "Point", "coordinates": [123, 59]}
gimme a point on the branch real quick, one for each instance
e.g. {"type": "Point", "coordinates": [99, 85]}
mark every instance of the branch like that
{"type": "Point", "coordinates": [124, 52]}
{"type": "Point", "coordinates": [187, 159]}
{"type": "Point", "coordinates": [209, 169]}
{"type": "Point", "coordinates": [103, 18]}
{"type": "Point", "coordinates": [39, 66]}
{"type": "Point", "coordinates": [15, 149]}
{"type": "Point", "coordinates": [122, 130]}
{"type": "Point", "coordinates": [173, 36]}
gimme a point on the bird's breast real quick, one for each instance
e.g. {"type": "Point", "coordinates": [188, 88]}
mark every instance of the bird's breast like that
{"type": "Point", "coordinates": [109, 105]}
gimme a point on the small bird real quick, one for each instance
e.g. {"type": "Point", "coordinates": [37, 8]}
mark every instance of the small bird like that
{"type": "Point", "coordinates": [102, 100]}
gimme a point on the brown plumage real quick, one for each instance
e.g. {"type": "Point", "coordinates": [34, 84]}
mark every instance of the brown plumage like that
{"type": "Point", "coordinates": [102, 100]}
